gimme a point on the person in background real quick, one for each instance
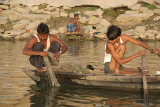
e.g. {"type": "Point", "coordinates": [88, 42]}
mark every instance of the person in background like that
{"type": "Point", "coordinates": [115, 49]}
{"type": "Point", "coordinates": [73, 25]}
{"type": "Point", "coordinates": [40, 44]}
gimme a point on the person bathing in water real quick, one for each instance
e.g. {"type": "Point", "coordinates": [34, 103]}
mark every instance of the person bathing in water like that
{"type": "Point", "coordinates": [115, 49]}
{"type": "Point", "coordinates": [40, 44]}
{"type": "Point", "coordinates": [73, 25]}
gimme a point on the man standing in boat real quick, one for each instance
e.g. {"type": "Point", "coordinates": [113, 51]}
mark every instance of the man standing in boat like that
{"type": "Point", "coordinates": [41, 44]}
{"type": "Point", "coordinates": [73, 25]}
{"type": "Point", "coordinates": [115, 49]}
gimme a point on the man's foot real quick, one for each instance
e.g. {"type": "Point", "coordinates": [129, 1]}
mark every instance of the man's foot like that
{"type": "Point", "coordinates": [41, 70]}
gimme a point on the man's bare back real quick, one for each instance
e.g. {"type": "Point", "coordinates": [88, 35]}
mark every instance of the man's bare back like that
{"type": "Point", "coordinates": [73, 21]}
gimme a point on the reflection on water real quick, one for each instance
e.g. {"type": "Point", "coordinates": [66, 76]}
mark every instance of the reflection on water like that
{"type": "Point", "coordinates": [17, 90]}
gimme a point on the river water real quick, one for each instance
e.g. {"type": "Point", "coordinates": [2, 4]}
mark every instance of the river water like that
{"type": "Point", "coordinates": [17, 90]}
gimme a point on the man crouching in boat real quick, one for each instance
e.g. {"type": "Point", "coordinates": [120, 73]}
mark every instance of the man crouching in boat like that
{"type": "Point", "coordinates": [115, 49]}
{"type": "Point", "coordinates": [40, 44]}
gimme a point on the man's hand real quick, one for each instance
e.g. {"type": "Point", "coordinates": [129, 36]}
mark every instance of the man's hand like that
{"type": "Point", "coordinates": [57, 55]}
{"type": "Point", "coordinates": [156, 50]}
{"type": "Point", "coordinates": [43, 53]}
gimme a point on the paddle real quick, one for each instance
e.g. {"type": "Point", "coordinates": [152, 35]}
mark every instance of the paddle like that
{"type": "Point", "coordinates": [144, 70]}
{"type": "Point", "coordinates": [51, 72]}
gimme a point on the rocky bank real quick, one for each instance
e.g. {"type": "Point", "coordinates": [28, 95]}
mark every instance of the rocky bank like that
{"type": "Point", "coordinates": [137, 18]}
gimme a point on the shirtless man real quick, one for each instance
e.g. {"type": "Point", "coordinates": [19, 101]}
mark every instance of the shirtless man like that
{"type": "Point", "coordinates": [115, 49]}
{"type": "Point", "coordinates": [73, 25]}
{"type": "Point", "coordinates": [40, 44]}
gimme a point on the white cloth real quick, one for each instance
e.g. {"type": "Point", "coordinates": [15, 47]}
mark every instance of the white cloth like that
{"type": "Point", "coordinates": [107, 57]}
{"type": "Point", "coordinates": [48, 42]}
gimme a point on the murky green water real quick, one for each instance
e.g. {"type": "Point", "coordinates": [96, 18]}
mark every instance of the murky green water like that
{"type": "Point", "coordinates": [17, 90]}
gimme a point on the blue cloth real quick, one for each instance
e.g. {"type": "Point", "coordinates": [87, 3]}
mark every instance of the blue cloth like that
{"type": "Point", "coordinates": [71, 27]}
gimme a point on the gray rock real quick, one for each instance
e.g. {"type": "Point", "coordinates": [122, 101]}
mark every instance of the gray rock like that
{"type": "Point", "coordinates": [22, 10]}
{"type": "Point", "coordinates": [3, 20]}
{"type": "Point", "coordinates": [147, 1]}
{"type": "Point", "coordinates": [34, 17]}
{"type": "Point", "coordinates": [1, 30]}
{"type": "Point", "coordinates": [33, 25]}
{"type": "Point", "coordinates": [83, 20]}
{"type": "Point", "coordinates": [93, 20]}
{"type": "Point", "coordinates": [14, 32]}
{"type": "Point", "coordinates": [156, 18]}
{"type": "Point", "coordinates": [157, 11]}
{"type": "Point", "coordinates": [158, 37]}
{"type": "Point", "coordinates": [136, 7]}
{"type": "Point", "coordinates": [4, 7]}
{"type": "Point", "coordinates": [63, 14]}
{"type": "Point", "coordinates": [55, 14]}
{"type": "Point", "coordinates": [131, 12]}
{"type": "Point", "coordinates": [62, 30]}
{"type": "Point", "coordinates": [129, 32]}
{"type": "Point", "coordinates": [143, 9]}
{"type": "Point", "coordinates": [34, 8]}
{"type": "Point", "coordinates": [157, 1]}
{"type": "Point", "coordinates": [72, 3]}
{"type": "Point", "coordinates": [140, 29]}
{"type": "Point", "coordinates": [105, 23]}
{"type": "Point", "coordinates": [54, 32]}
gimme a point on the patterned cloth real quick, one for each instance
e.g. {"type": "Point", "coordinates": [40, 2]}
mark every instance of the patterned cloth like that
{"type": "Point", "coordinates": [71, 28]}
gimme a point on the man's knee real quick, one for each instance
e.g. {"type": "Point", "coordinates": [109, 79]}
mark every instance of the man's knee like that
{"type": "Point", "coordinates": [55, 47]}
{"type": "Point", "coordinates": [37, 47]}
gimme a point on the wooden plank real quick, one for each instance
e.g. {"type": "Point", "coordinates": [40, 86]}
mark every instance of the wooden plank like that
{"type": "Point", "coordinates": [144, 80]}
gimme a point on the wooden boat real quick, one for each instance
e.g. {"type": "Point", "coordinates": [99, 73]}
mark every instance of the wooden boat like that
{"type": "Point", "coordinates": [120, 81]}
{"type": "Point", "coordinates": [98, 80]}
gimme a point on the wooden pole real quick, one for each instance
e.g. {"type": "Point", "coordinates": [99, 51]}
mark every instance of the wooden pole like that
{"type": "Point", "coordinates": [144, 80]}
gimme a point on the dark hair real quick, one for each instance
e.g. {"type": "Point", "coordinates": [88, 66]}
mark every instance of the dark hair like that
{"type": "Point", "coordinates": [93, 27]}
{"type": "Point", "coordinates": [42, 28]}
{"type": "Point", "coordinates": [113, 32]}
{"type": "Point", "coordinates": [76, 14]}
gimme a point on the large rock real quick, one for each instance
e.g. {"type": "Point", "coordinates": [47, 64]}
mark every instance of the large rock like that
{"type": "Point", "coordinates": [3, 20]}
{"type": "Point", "coordinates": [12, 14]}
{"type": "Point", "coordinates": [94, 20]}
{"type": "Point", "coordinates": [1, 30]}
{"type": "Point", "coordinates": [14, 32]}
{"type": "Point", "coordinates": [22, 10]}
{"type": "Point", "coordinates": [140, 29]}
{"type": "Point", "coordinates": [158, 37]}
{"type": "Point", "coordinates": [54, 32]}
{"type": "Point", "coordinates": [21, 24]}
{"type": "Point", "coordinates": [147, 1]}
{"type": "Point", "coordinates": [72, 3]}
{"type": "Point", "coordinates": [33, 25]}
{"type": "Point", "coordinates": [4, 7]}
{"type": "Point", "coordinates": [156, 18]}
{"type": "Point", "coordinates": [83, 20]}
{"type": "Point", "coordinates": [55, 14]}
{"type": "Point", "coordinates": [136, 7]}
{"type": "Point", "coordinates": [62, 30]}
{"type": "Point", "coordinates": [63, 14]}
{"type": "Point", "coordinates": [34, 17]}
{"type": "Point", "coordinates": [157, 11]}
{"type": "Point", "coordinates": [128, 32]}
{"type": "Point", "coordinates": [134, 17]}
{"type": "Point", "coordinates": [157, 1]}
{"type": "Point", "coordinates": [105, 23]}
